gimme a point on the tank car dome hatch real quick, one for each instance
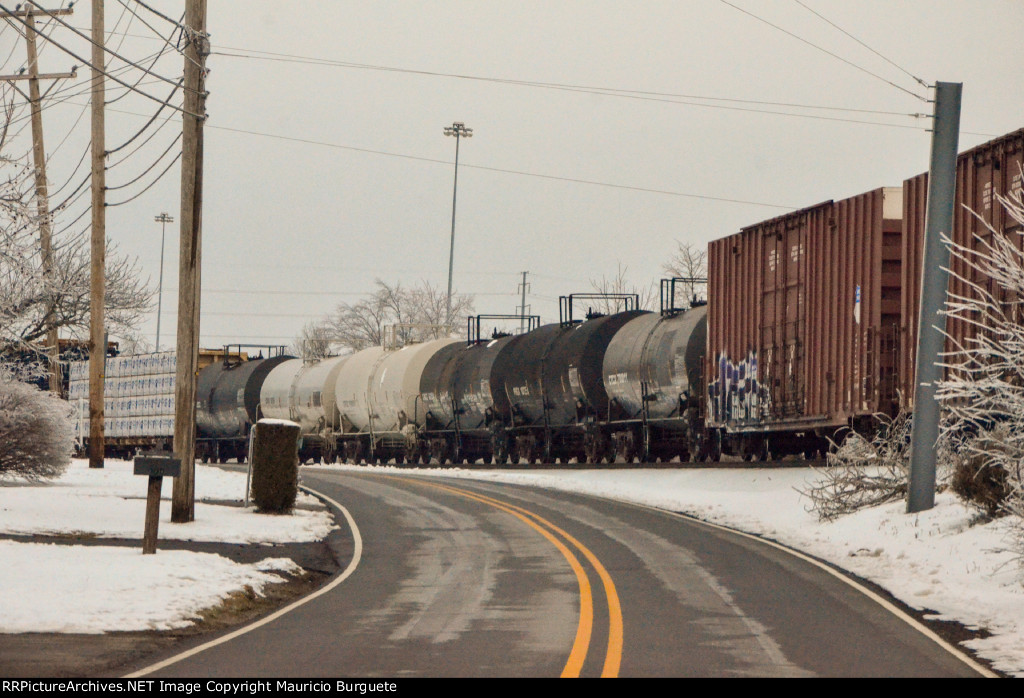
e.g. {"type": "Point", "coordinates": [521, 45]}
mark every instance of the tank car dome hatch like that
{"type": "Point", "coordinates": [656, 360]}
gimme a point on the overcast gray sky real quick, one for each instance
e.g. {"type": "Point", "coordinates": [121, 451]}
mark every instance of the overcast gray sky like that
{"type": "Point", "coordinates": [326, 166]}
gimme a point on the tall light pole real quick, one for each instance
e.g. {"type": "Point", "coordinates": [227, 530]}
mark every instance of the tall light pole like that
{"type": "Point", "coordinates": [459, 130]}
{"type": "Point", "coordinates": [164, 219]}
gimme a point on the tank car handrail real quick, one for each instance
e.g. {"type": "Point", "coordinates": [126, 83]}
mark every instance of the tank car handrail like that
{"type": "Point", "coordinates": [473, 332]}
{"type": "Point", "coordinates": [668, 293]}
{"type": "Point", "coordinates": [565, 312]}
{"type": "Point", "coordinates": [272, 351]}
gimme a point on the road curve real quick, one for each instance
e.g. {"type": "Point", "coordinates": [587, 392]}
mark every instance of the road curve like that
{"type": "Point", "coordinates": [463, 578]}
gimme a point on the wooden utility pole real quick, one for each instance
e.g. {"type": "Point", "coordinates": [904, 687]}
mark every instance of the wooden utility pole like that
{"type": "Point", "coordinates": [39, 163]}
{"type": "Point", "coordinates": [196, 50]}
{"type": "Point", "coordinates": [97, 286]}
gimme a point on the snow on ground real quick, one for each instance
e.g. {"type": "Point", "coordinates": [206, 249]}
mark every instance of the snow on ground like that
{"type": "Point", "coordinates": [96, 588]}
{"type": "Point", "coordinates": [941, 560]}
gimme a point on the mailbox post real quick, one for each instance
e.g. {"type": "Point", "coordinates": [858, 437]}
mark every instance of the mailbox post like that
{"type": "Point", "coordinates": [156, 466]}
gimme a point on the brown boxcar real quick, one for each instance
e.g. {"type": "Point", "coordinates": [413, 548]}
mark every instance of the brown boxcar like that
{"type": "Point", "coordinates": [991, 168]}
{"type": "Point", "coordinates": [803, 319]}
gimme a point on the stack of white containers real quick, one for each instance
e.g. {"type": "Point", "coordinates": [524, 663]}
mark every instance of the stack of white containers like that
{"type": "Point", "coordinates": [138, 395]}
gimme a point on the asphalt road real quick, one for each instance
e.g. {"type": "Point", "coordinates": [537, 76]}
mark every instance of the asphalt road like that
{"type": "Point", "coordinates": [460, 578]}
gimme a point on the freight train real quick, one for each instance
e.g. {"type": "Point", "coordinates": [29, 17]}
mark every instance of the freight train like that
{"type": "Point", "coordinates": [626, 385]}
{"type": "Point", "coordinates": [809, 330]}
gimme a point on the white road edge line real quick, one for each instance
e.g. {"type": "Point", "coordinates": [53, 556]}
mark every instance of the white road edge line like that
{"type": "Point", "coordinates": [883, 602]}
{"type": "Point", "coordinates": [357, 554]}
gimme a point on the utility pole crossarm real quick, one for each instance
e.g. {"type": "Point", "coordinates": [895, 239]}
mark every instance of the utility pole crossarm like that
{"type": "Point", "coordinates": [34, 11]}
{"type": "Point", "coordinates": [41, 76]}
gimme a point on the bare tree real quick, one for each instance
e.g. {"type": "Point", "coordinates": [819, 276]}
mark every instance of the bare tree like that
{"type": "Point", "coordinates": [133, 342]}
{"type": "Point", "coordinates": [418, 312]}
{"type": "Point", "coordinates": [689, 262]}
{"type": "Point", "coordinates": [619, 285]}
{"type": "Point", "coordinates": [314, 342]}
{"type": "Point", "coordinates": [863, 472]}
{"type": "Point", "coordinates": [428, 307]}
{"type": "Point", "coordinates": [34, 302]}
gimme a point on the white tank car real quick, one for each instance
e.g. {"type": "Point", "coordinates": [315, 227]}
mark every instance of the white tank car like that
{"type": "Point", "coordinates": [395, 384]}
{"type": "Point", "coordinates": [276, 391]}
{"type": "Point", "coordinates": [314, 402]}
{"type": "Point", "coordinates": [351, 390]}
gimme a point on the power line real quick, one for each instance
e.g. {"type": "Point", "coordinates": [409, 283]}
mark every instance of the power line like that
{"type": "Point", "coordinates": [179, 25]}
{"type": "Point", "coordinates": [836, 26]}
{"type": "Point", "coordinates": [823, 50]}
{"type": "Point", "coordinates": [101, 69]}
{"type": "Point", "coordinates": [150, 185]}
{"type": "Point", "coordinates": [153, 118]}
{"type": "Point", "coordinates": [586, 89]}
{"type": "Point", "coordinates": [522, 173]}
{"type": "Point", "coordinates": [156, 56]}
{"type": "Point", "coordinates": [75, 90]}
{"type": "Point", "coordinates": [113, 53]}
{"type": "Point", "coordinates": [74, 171]}
{"type": "Point", "coordinates": [646, 95]}
{"type": "Point", "coordinates": [498, 169]}
{"type": "Point", "coordinates": [148, 169]}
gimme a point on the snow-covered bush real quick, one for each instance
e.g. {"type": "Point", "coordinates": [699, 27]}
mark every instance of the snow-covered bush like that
{"type": "Point", "coordinates": [977, 479]}
{"type": "Point", "coordinates": [36, 436]}
{"type": "Point", "coordinates": [863, 472]}
{"type": "Point", "coordinates": [983, 394]}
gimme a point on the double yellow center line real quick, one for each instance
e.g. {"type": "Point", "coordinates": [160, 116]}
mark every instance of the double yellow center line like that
{"type": "Point", "coordinates": [556, 536]}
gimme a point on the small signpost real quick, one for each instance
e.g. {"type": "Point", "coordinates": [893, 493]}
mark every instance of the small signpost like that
{"type": "Point", "coordinates": [157, 466]}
